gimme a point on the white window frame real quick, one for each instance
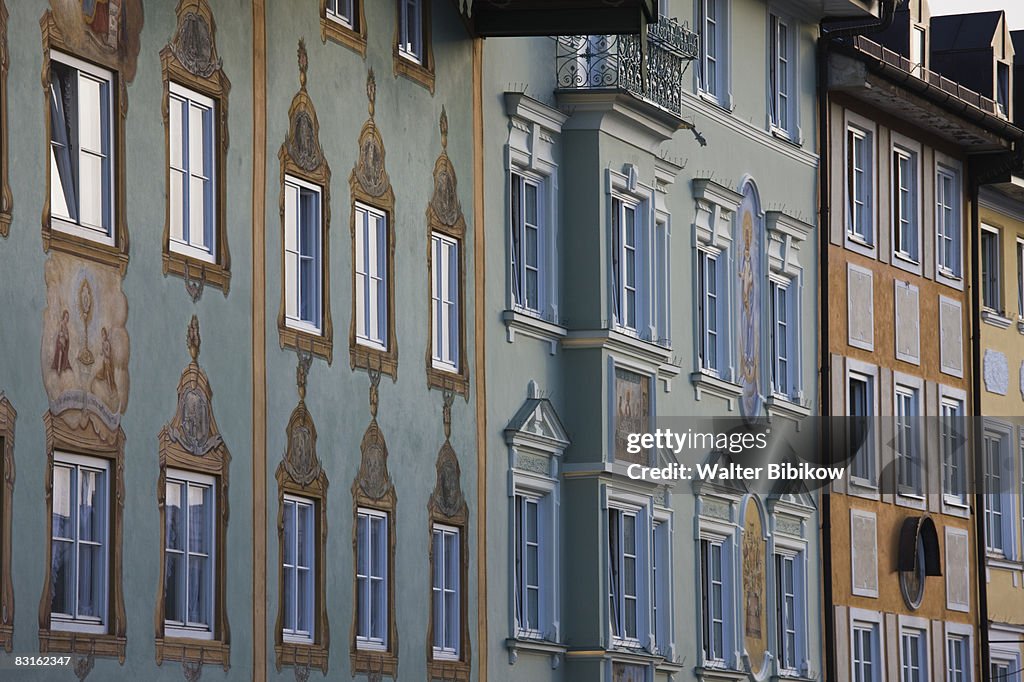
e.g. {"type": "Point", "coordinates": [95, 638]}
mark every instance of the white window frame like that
{"type": "Point", "coordinates": [622, 251]}
{"type": "Point", "coordinates": [365, 640]}
{"type": "Point", "coordinates": [713, 658]}
{"type": "Point", "coordinates": [952, 405]}
{"type": "Point", "coordinates": [625, 191]}
{"type": "Point", "coordinates": [964, 633]}
{"type": "Point", "coordinates": [410, 31]}
{"type": "Point", "coordinates": [1002, 503]}
{"type": "Point", "coordinates": [862, 236]}
{"type": "Point", "coordinates": [445, 302]}
{"type": "Point", "coordinates": [544, 492]}
{"type": "Point", "coordinates": [74, 622]}
{"type": "Point", "coordinates": [616, 588]}
{"type": "Point", "coordinates": [907, 441]}
{"type": "Point", "coordinates": [870, 621]}
{"type": "Point", "coordinates": [342, 12]}
{"type": "Point", "coordinates": [784, 332]}
{"type": "Point", "coordinates": [783, 55]}
{"type": "Point", "coordinates": [662, 631]}
{"type": "Point", "coordinates": [918, 51]}
{"type": "Point", "coordinates": [451, 585]}
{"type": "Point", "coordinates": [914, 638]}
{"type": "Point", "coordinates": [905, 255]}
{"type": "Point", "coordinates": [706, 337]}
{"type": "Point", "coordinates": [519, 180]}
{"type": "Point", "coordinates": [856, 371]}
{"type": "Point", "coordinates": [1003, 96]}
{"type": "Point", "coordinates": [295, 635]}
{"type": "Point", "coordinates": [188, 479]}
{"type": "Point", "coordinates": [948, 231]}
{"type": "Point", "coordinates": [293, 233]}
{"type": "Point", "coordinates": [72, 222]}
{"type": "Point", "coordinates": [994, 278]}
{"type": "Point", "coordinates": [715, 90]}
{"type": "Point", "coordinates": [372, 262]}
{"type": "Point", "coordinates": [1020, 278]}
{"type": "Point", "coordinates": [795, 623]}
{"type": "Point", "coordinates": [182, 229]}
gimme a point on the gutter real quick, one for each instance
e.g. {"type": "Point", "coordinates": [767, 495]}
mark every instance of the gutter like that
{"type": "Point", "coordinates": [829, 30]}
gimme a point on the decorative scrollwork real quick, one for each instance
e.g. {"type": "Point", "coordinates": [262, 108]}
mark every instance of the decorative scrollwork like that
{"type": "Point", "coordinates": [193, 46]}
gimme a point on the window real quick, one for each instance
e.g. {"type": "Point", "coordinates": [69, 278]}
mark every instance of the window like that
{"type": "Point", "coordinates": [905, 202]}
{"type": "Point", "coordinates": [991, 293]}
{"type": "Point", "coordinates": [188, 555]}
{"type": "Point", "coordinates": [782, 75]}
{"type": "Point", "coordinates": [342, 11]}
{"type": "Point", "coordinates": [918, 52]}
{"type": "Point", "coordinates": [995, 532]}
{"type": "Point", "coordinates": [303, 267]}
{"type": "Point", "coordinates": [371, 579]}
{"type": "Point", "coordinates": [713, 49]}
{"type": "Point", "coordinates": [298, 569]}
{"type": "Point", "coordinates": [660, 609]}
{"type": "Point", "coordinates": [712, 600]}
{"type": "Point", "coordinates": [1020, 278]}
{"type": "Point", "coordinates": [957, 661]}
{"type": "Point", "coordinates": [952, 440]}
{"type": "Point", "coordinates": [528, 569]}
{"type": "Point", "coordinates": [627, 264]}
{"type": "Point", "coordinates": [947, 221]}
{"type": "Point", "coordinates": [1003, 88]}
{"type": "Point", "coordinates": [446, 591]}
{"type": "Point", "coordinates": [908, 453]}
{"type": "Point", "coordinates": [788, 616]}
{"type": "Point", "coordinates": [866, 653]}
{"type": "Point", "coordinates": [528, 243]}
{"type": "Point", "coordinates": [860, 407]}
{"type": "Point", "coordinates": [913, 656]}
{"type": "Point", "coordinates": [411, 30]}
{"type": "Point", "coordinates": [445, 299]}
{"type": "Point", "coordinates": [371, 272]}
{"type": "Point", "coordinates": [623, 575]}
{"type": "Point", "coordinates": [860, 222]}
{"type": "Point", "coordinates": [783, 336]}
{"type": "Point", "coordinates": [708, 279]}
{"type": "Point", "coordinates": [80, 528]}
{"type": "Point", "coordinates": [81, 148]}
{"type": "Point", "coordinates": [191, 193]}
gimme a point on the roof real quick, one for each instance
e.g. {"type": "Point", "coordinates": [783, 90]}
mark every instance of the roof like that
{"type": "Point", "coordinates": [972, 31]}
{"type": "Point", "coordinates": [1017, 38]}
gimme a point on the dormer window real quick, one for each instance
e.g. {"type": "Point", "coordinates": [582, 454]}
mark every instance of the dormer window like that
{"type": "Point", "coordinates": [918, 51]}
{"type": "Point", "coordinates": [1003, 88]}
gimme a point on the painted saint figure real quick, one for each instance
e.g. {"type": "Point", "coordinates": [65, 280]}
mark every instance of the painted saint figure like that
{"type": "Point", "coordinates": [61, 350]}
{"type": "Point", "coordinates": [106, 372]}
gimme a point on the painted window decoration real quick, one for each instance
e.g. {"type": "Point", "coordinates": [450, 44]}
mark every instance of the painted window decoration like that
{"type": "Point", "coordinates": [299, 568]}
{"type": "Point", "coordinates": [860, 185]}
{"type": "Point", "coordinates": [371, 271]}
{"type": "Point", "coordinates": [860, 409]}
{"type": "Point", "coordinates": [957, 661]}
{"type": "Point", "coordinates": [782, 65]}
{"type": "Point", "coordinates": [529, 546]}
{"type": "Point", "coordinates": [81, 148]}
{"type": "Point", "coordinates": [954, 455]}
{"type": "Point", "coordinates": [192, 174]}
{"type": "Point", "coordinates": [905, 193]}
{"type": "Point", "coordinates": [445, 299]}
{"type": "Point", "coordinates": [907, 440]}
{"type": "Point", "coordinates": [713, 600]}
{"type": "Point", "coordinates": [991, 253]}
{"type": "Point", "coordinates": [188, 554]}
{"type": "Point", "coordinates": [866, 653]}
{"type": "Point", "coordinates": [528, 240]}
{"type": "Point", "coordinates": [709, 312]}
{"type": "Point", "coordinates": [80, 529]}
{"type": "Point", "coordinates": [947, 221]}
{"type": "Point", "coordinates": [303, 265]}
{"type": "Point", "coordinates": [372, 580]}
{"type": "Point", "coordinates": [411, 30]}
{"type": "Point", "coordinates": [624, 575]}
{"type": "Point", "coordinates": [446, 592]}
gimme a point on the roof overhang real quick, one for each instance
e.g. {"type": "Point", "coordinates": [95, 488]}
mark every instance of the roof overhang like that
{"type": "Point", "coordinates": [506, 18]}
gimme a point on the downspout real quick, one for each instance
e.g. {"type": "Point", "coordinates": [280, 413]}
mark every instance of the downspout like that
{"type": "Point", "coordinates": [830, 29]}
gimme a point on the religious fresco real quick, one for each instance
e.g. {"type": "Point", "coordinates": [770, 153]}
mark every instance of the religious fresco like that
{"type": "Point", "coordinates": [632, 412]}
{"type": "Point", "coordinates": [749, 333]}
{"type": "Point", "coordinates": [102, 30]}
{"type": "Point", "coordinates": [755, 605]}
{"type": "Point", "coordinates": [85, 346]}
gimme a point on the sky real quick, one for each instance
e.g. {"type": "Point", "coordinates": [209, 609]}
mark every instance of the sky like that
{"type": "Point", "coordinates": [1014, 9]}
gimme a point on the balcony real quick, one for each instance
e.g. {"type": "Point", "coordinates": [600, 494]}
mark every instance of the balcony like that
{"type": "Point", "coordinates": [497, 18]}
{"type": "Point", "coordinates": [650, 70]}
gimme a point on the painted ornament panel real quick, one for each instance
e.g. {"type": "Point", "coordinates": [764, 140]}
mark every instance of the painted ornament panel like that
{"type": "Point", "coordinates": [755, 625]}
{"type": "Point", "coordinates": [751, 251]}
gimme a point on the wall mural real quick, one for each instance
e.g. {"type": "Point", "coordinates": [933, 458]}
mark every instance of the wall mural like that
{"type": "Point", "coordinates": [632, 412]}
{"type": "Point", "coordinates": [85, 346]}
{"type": "Point", "coordinates": [751, 252]}
{"type": "Point", "coordinates": [102, 27]}
{"type": "Point", "coordinates": [755, 625]}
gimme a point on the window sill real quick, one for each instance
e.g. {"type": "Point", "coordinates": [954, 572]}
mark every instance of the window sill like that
{"type": "Point", "coordinates": [997, 560]}
{"type": "Point", "coordinates": [450, 670]}
{"type": "Point", "coordinates": [369, 662]}
{"type": "Point", "coordinates": [954, 507]}
{"type": "Point", "coordinates": [196, 271]}
{"type": "Point", "coordinates": [416, 72]}
{"type": "Point", "coordinates": [705, 382]}
{"type": "Point", "coordinates": [320, 344]}
{"type": "Point", "coordinates": [90, 249]}
{"type": "Point", "coordinates": [529, 324]}
{"type": "Point", "coordinates": [658, 357]}
{"type": "Point", "coordinates": [713, 100]}
{"type": "Point", "coordinates": [718, 670]}
{"type": "Point", "coordinates": [331, 29]}
{"type": "Point", "coordinates": [786, 137]}
{"type": "Point", "coordinates": [367, 357]}
{"type": "Point", "coordinates": [447, 379]}
{"type": "Point", "coordinates": [787, 407]}
{"type": "Point", "coordinates": [996, 319]}
{"type": "Point", "coordinates": [189, 650]}
{"type": "Point", "coordinates": [62, 641]}
{"type": "Point", "coordinates": [310, 655]}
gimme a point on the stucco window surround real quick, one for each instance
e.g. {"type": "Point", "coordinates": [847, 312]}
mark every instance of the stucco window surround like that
{"type": "Point", "coordinates": [7, 418]}
{"type": "Point", "coordinates": [1005, 654]}
{"type": "Point", "coordinates": [906, 448]}
{"type": "Point", "coordinates": [949, 220]}
{"type": "Point", "coordinates": [717, 567]}
{"type": "Point", "coordinates": [786, 239]}
{"type": "Point", "coordinates": [413, 43]}
{"type": "Point", "coordinates": [783, 75]}
{"type": "Point", "coordinates": [869, 627]}
{"type": "Point", "coordinates": [713, 75]}
{"type": "Point", "coordinates": [107, 244]}
{"type": "Point", "coordinates": [716, 207]}
{"type": "Point", "coordinates": [629, 615]}
{"type": "Point", "coordinates": [790, 516]}
{"type": "Point", "coordinates": [96, 443]}
{"type": "Point", "coordinates": [344, 22]}
{"type": "Point", "coordinates": [905, 186]}
{"type": "Point", "coordinates": [860, 188]}
{"type": "Point", "coordinates": [635, 237]}
{"type": "Point", "coordinates": [863, 378]}
{"type": "Point", "coordinates": [6, 199]}
{"type": "Point", "coordinates": [532, 148]}
{"type": "Point", "coordinates": [302, 159]}
{"type": "Point", "coordinates": [915, 648]}
{"type": "Point", "coordinates": [1000, 450]}
{"type": "Point", "coordinates": [186, 78]}
{"type": "Point", "coordinates": [963, 634]}
{"type": "Point", "coordinates": [954, 444]}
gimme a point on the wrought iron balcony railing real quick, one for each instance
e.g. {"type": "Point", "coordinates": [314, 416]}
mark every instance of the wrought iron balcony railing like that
{"type": "Point", "coordinates": [619, 62]}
